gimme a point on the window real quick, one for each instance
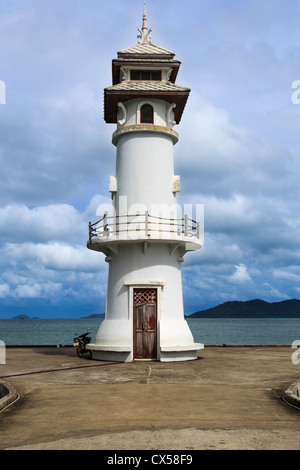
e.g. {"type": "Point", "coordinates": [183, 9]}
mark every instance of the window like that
{"type": "Point", "coordinates": [147, 114]}
{"type": "Point", "coordinates": [145, 75]}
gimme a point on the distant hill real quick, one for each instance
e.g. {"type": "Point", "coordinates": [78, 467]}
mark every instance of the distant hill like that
{"type": "Point", "coordinates": [252, 309]}
{"type": "Point", "coordinates": [21, 317]}
{"type": "Point", "coordinates": [95, 315]}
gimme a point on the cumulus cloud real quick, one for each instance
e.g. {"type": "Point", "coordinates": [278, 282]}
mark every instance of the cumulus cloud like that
{"type": "Point", "coordinates": [240, 275]}
{"type": "Point", "coordinates": [217, 157]}
{"type": "Point", "coordinates": [4, 290]}
{"type": "Point", "coordinates": [43, 259]}
{"type": "Point", "coordinates": [57, 256]}
{"type": "Point", "coordinates": [36, 290]}
{"type": "Point", "coordinates": [42, 223]}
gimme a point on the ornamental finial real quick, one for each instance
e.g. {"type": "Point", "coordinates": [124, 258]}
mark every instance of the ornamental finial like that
{"type": "Point", "coordinates": [144, 35]}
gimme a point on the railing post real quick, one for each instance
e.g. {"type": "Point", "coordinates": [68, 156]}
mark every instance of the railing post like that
{"type": "Point", "coordinates": [146, 223]}
{"type": "Point", "coordinates": [90, 231]}
{"type": "Point", "coordinates": [186, 225]}
{"type": "Point", "coordinates": [105, 226]}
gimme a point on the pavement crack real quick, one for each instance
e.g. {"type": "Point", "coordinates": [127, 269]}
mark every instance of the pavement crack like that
{"type": "Point", "coordinates": [149, 374]}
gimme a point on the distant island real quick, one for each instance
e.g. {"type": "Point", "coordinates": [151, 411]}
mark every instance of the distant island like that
{"type": "Point", "coordinates": [252, 309]}
{"type": "Point", "coordinates": [23, 317]}
{"type": "Point", "coordinates": [95, 315]}
{"type": "Point", "coordinates": [26, 317]}
{"type": "Point", "coordinates": [233, 309]}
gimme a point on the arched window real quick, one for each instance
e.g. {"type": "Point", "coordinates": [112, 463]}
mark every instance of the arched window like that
{"type": "Point", "coordinates": [146, 113]}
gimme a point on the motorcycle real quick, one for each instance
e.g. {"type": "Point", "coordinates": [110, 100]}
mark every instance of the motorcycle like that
{"type": "Point", "coordinates": [80, 342]}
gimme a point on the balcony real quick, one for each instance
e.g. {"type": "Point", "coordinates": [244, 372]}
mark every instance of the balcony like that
{"type": "Point", "coordinates": [143, 227]}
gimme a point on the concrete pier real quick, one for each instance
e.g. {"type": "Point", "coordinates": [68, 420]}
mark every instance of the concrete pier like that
{"type": "Point", "coordinates": [230, 398]}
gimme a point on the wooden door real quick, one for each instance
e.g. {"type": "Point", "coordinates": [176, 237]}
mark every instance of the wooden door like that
{"type": "Point", "coordinates": [144, 323]}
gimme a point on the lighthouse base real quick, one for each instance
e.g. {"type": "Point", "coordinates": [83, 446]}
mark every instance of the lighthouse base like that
{"type": "Point", "coordinates": [167, 354]}
{"type": "Point", "coordinates": [115, 342]}
{"type": "Point", "coordinates": [110, 353]}
{"type": "Point", "coordinates": [171, 354]}
{"type": "Point", "coordinates": [144, 318]}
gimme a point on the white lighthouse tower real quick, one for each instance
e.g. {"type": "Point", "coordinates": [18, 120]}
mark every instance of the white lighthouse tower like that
{"type": "Point", "coordinates": [146, 236]}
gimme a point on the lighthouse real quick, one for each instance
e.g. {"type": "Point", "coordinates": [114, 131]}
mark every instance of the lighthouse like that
{"type": "Point", "coordinates": [145, 236]}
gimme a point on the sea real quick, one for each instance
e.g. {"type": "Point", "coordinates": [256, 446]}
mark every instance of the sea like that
{"type": "Point", "coordinates": [209, 331]}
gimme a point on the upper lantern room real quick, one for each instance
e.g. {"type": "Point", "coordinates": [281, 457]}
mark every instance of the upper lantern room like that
{"type": "Point", "coordinates": [147, 72]}
{"type": "Point", "coordinates": [145, 61]}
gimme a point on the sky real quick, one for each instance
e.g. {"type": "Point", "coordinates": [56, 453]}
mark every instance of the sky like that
{"type": "Point", "coordinates": [238, 151]}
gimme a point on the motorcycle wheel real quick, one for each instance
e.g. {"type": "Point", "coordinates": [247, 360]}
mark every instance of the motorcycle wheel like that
{"type": "Point", "coordinates": [79, 352]}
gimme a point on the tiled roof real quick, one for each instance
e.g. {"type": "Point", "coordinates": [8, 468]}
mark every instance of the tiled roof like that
{"type": "Point", "coordinates": [144, 85]}
{"type": "Point", "coordinates": [130, 89]}
{"type": "Point", "coordinates": [146, 59]}
{"type": "Point", "coordinates": [144, 49]}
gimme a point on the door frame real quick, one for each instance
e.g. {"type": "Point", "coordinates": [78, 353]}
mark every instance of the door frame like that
{"type": "Point", "coordinates": [141, 336]}
{"type": "Point", "coordinates": [159, 286]}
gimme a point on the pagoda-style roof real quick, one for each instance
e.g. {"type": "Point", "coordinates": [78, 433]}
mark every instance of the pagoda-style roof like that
{"type": "Point", "coordinates": [128, 90]}
{"type": "Point", "coordinates": [144, 55]}
{"type": "Point", "coordinates": [146, 50]}
{"type": "Point", "coordinates": [147, 86]}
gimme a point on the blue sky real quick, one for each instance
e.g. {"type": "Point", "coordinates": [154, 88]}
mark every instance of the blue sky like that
{"type": "Point", "coordinates": [238, 151]}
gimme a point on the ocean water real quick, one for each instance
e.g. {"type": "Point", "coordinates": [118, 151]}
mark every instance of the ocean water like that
{"type": "Point", "coordinates": [215, 331]}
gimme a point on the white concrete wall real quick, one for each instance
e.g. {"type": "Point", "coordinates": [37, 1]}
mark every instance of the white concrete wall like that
{"type": "Point", "coordinates": [145, 170]}
{"type": "Point", "coordinates": [162, 115]}
{"type": "Point", "coordinates": [132, 265]}
{"type": "Point", "coordinates": [156, 268]}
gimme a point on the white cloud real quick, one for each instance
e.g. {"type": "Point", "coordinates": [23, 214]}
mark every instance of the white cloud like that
{"type": "Point", "coordinates": [53, 271]}
{"type": "Point", "coordinates": [287, 275]}
{"type": "Point", "coordinates": [240, 275]}
{"type": "Point", "coordinates": [54, 256]}
{"type": "Point", "coordinates": [44, 223]}
{"type": "Point", "coordinates": [217, 157]}
{"type": "Point", "coordinates": [275, 293]}
{"type": "Point", "coordinates": [4, 290]}
{"type": "Point", "coordinates": [30, 291]}
{"type": "Point", "coordinates": [98, 205]}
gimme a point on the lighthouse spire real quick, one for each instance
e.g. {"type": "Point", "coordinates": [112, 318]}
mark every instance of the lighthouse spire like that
{"type": "Point", "coordinates": [144, 32]}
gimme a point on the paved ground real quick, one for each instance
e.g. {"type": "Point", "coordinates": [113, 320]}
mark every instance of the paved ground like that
{"type": "Point", "coordinates": [230, 398]}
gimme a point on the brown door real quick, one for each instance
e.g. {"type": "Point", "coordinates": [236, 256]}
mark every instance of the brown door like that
{"type": "Point", "coordinates": [144, 323]}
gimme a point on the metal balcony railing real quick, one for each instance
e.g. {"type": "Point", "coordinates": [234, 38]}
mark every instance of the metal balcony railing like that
{"type": "Point", "coordinates": [143, 225]}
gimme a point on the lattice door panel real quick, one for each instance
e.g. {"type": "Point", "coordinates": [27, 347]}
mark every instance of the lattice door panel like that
{"type": "Point", "coordinates": [144, 296]}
